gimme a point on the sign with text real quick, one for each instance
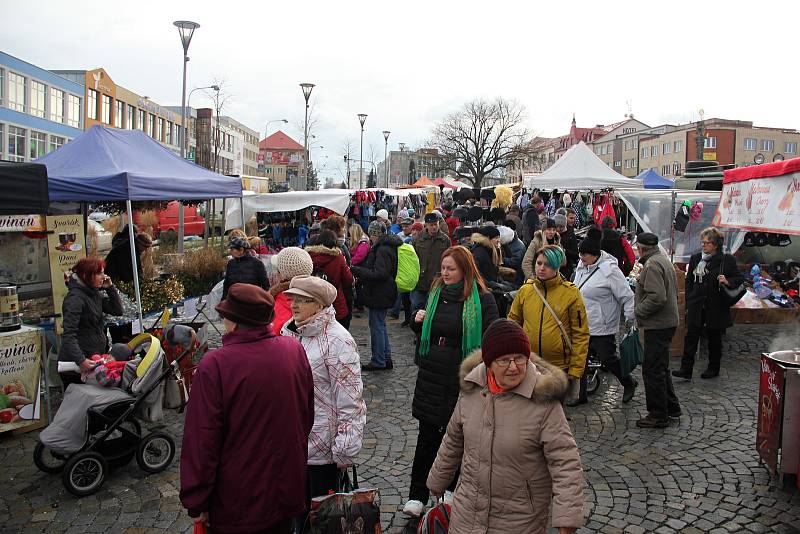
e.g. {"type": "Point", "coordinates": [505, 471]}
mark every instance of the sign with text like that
{"type": "Point", "coordinates": [66, 245]}
{"type": "Point", "coordinates": [22, 223]}
{"type": "Point", "coordinates": [770, 412]}
{"type": "Point", "coordinates": [20, 353]}
{"type": "Point", "coordinates": [761, 205]}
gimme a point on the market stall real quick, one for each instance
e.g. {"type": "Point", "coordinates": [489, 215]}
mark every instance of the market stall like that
{"type": "Point", "coordinates": [581, 170]}
{"type": "Point", "coordinates": [652, 180]}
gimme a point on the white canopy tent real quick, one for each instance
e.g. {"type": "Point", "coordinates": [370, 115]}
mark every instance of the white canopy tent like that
{"type": "Point", "coordinates": [580, 169]}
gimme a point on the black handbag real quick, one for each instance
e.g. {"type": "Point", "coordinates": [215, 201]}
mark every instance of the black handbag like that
{"type": "Point", "coordinates": [730, 295]}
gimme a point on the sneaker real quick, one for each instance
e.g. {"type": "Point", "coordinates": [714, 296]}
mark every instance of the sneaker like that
{"type": "Point", "coordinates": [413, 508]}
{"type": "Point", "coordinates": [629, 391]}
{"type": "Point", "coordinates": [649, 421]}
{"type": "Point", "coordinates": [686, 374]}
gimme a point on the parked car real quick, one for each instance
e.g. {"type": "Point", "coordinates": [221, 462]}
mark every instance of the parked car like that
{"type": "Point", "coordinates": [167, 220]}
{"type": "Point", "coordinates": [99, 216]}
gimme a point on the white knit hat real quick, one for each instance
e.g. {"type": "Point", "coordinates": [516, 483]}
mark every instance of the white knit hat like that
{"type": "Point", "coordinates": [293, 261]}
{"type": "Point", "coordinates": [382, 214]}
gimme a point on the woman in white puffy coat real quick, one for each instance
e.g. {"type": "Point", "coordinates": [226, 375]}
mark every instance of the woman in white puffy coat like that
{"type": "Point", "coordinates": [339, 409]}
{"type": "Point", "coordinates": [605, 293]}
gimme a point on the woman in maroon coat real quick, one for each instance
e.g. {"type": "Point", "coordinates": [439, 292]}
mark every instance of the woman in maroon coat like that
{"type": "Point", "coordinates": [330, 264]}
{"type": "Point", "coordinates": [245, 439]}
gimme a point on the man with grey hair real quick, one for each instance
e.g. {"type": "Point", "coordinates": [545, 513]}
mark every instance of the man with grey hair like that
{"type": "Point", "coordinates": [656, 310]}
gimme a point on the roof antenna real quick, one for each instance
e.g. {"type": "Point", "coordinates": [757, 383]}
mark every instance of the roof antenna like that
{"type": "Point", "coordinates": [629, 114]}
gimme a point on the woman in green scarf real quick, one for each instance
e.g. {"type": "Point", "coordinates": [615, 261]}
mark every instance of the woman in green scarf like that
{"type": "Point", "coordinates": [459, 309]}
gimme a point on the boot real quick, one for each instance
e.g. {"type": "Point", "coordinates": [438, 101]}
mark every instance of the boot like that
{"type": "Point", "coordinates": [684, 373]}
{"type": "Point", "coordinates": [629, 386]}
{"type": "Point", "coordinates": [710, 373]}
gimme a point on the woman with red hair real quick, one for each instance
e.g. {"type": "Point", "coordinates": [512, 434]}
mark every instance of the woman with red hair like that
{"type": "Point", "coordinates": [459, 309]}
{"type": "Point", "coordinates": [91, 294]}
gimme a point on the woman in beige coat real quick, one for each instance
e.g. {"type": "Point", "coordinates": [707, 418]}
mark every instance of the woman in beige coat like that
{"type": "Point", "coordinates": [510, 438]}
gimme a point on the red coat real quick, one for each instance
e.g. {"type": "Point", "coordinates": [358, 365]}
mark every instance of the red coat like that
{"type": "Point", "coordinates": [283, 308]}
{"type": "Point", "coordinates": [246, 431]}
{"type": "Point", "coordinates": [452, 224]}
{"type": "Point", "coordinates": [331, 263]}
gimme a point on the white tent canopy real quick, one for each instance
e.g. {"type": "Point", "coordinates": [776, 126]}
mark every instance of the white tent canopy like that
{"type": "Point", "coordinates": [580, 169]}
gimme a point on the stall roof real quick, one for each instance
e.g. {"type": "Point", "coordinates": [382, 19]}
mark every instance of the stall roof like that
{"type": "Point", "coordinates": [652, 180]}
{"type": "Point", "coordinates": [113, 164]}
{"type": "Point", "coordinates": [766, 170]}
{"type": "Point", "coordinates": [579, 168]}
{"type": "Point", "coordinates": [24, 187]}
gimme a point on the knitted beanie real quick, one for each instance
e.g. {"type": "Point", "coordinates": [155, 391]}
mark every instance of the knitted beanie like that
{"type": "Point", "coordinates": [293, 261]}
{"type": "Point", "coordinates": [503, 337]}
{"type": "Point", "coordinates": [376, 228]}
{"type": "Point", "coordinates": [591, 243]}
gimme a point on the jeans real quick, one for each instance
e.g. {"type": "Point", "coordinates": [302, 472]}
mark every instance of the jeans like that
{"type": "Point", "coordinates": [660, 395]}
{"type": "Point", "coordinates": [404, 301]}
{"type": "Point", "coordinates": [418, 300]}
{"type": "Point", "coordinates": [379, 337]}
{"type": "Point", "coordinates": [428, 441]}
{"type": "Point", "coordinates": [691, 342]}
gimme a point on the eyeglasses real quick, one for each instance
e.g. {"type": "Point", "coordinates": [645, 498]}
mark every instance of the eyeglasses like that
{"type": "Point", "coordinates": [302, 300]}
{"type": "Point", "coordinates": [519, 361]}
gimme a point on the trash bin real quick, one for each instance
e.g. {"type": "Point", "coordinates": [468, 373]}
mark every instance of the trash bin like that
{"type": "Point", "coordinates": [778, 434]}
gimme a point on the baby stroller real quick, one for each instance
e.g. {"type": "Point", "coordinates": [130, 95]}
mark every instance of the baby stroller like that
{"type": "Point", "coordinates": [97, 428]}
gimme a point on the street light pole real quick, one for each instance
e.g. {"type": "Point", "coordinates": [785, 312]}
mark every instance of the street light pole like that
{"type": "Point", "coordinates": [385, 155]}
{"type": "Point", "coordinates": [266, 127]}
{"type": "Point", "coordinates": [186, 30]}
{"type": "Point", "coordinates": [362, 118]}
{"type": "Point", "coordinates": [307, 88]}
{"type": "Point", "coordinates": [189, 106]}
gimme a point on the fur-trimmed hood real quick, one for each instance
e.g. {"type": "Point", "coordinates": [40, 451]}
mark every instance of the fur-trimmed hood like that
{"type": "Point", "coordinates": [543, 381]}
{"type": "Point", "coordinates": [320, 249]}
{"type": "Point", "coordinates": [482, 240]}
{"type": "Point", "coordinates": [278, 288]}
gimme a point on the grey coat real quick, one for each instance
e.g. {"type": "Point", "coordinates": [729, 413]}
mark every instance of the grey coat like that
{"type": "Point", "coordinates": [656, 297]}
{"type": "Point", "coordinates": [84, 328]}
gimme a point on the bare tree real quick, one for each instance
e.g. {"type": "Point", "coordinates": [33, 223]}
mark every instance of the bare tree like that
{"type": "Point", "coordinates": [482, 138]}
{"type": "Point", "coordinates": [220, 98]}
{"type": "Point", "coordinates": [348, 149]}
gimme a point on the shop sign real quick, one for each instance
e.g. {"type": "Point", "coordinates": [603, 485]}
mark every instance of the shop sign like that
{"type": "Point", "coordinates": [66, 245]}
{"type": "Point", "coordinates": [22, 223]}
{"type": "Point", "coordinates": [770, 411]}
{"type": "Point", "coordinates": [761, 205]}
{"type": "Point", "coordinates": [20, 353]}
{"type": "Point", "coordinates": [709, 156]}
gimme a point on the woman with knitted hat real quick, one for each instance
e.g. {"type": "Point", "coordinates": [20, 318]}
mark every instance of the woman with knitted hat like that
{"type": "Point", "coordinates": [551, 311]}
{"type": "Point", "coordinates": [511, 441]}
{"type": "Point", "coordinates": [547, 236]}
{"type": "Point", "coordinates": [289, 262]}
{"type": "Point", "coordinates": [458, 310]}
{"type": "Point", "coordinates": [485, 248]}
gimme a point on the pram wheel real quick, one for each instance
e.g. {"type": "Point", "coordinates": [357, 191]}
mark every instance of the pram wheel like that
{"type": "Point", "coordinates": [85, 473]}
{"type": "Point", "coordinates": [47, 460]}
{"type": "Point", "coordinates": [156, 452]}
{"type": "Point", "coordinates": [592, 380]}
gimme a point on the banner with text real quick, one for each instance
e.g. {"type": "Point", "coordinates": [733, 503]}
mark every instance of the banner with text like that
{"type": "Point", "coordinates": [22, 223]}
{"type": "Point", "coordinates": [761, 205]}
{"type": "Point", "coordinates": [20, 353]}
{"type": "Point", "coordinates": [66, 245]}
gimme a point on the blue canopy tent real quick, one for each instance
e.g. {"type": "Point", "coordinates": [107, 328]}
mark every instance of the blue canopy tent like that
{"type": "Point", "coordinates": [108, 164]}
{"type": "Point", "coordinates": [652, 180]}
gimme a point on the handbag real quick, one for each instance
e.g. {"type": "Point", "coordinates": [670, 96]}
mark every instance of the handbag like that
{"type": "Point", "coordinates": [731, 295]}
{"type": "Point", "coordinates": [631, 352]}
{"type": "Point", "coordinates": [349, 511]}
{"type": "Point", "coordinates": [175, 393]}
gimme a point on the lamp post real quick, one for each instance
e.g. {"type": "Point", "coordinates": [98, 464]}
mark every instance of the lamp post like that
{"type": "Point", "coordinates": [362, 118]}
{"type": "Point", "coordinates": [266, 127]}
{"type": "Point", "coordinates": [307, 88]}
{"type": "Point", "coordinates": [186, 30]}
{"type": "Point", "coordinates": [385, 155]}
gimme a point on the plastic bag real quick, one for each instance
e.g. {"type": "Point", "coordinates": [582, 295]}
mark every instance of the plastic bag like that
{"type": "Point", "coordinates": [631, 352]}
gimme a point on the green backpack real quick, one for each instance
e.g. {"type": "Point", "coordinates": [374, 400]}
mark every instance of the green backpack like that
{"type": "Point", "coordinates": [407, 268]}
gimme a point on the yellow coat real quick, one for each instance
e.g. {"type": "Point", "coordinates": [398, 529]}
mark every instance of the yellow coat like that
{"type": "Point", "coordinates": [564, 297]}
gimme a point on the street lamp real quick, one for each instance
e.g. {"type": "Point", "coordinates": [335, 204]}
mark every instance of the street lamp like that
{"type": "Point", "coordinates": [307, 88]}
{"type": "Point", "coordinates": [266, 128]}
{"type": "Point", "coordinates": [362, 118]}
{"type": "Point", "coordinates": [385, 154]}
{"type": "Point", "coordinates": [189, 106]}
{"type": "Point", "coordinates": [186, 30]}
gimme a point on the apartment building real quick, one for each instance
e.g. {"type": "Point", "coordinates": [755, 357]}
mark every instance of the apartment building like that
{"type": "Point", "coordinates": [280, 158]}
{"type": "Point", "coordinates": [246, 155]}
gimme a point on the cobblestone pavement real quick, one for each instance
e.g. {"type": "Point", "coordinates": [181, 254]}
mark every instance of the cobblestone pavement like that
{"type": "Point", "coordinates": [700, 475]}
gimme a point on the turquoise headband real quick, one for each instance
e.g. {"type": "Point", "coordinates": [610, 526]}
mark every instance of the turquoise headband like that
{"type": "Point", "coordinates": [555, 257]}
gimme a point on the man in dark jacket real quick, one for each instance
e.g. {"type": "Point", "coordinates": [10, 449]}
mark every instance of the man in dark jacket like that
{"type": "Point", "coordinates": [245, 437]}
{"type": "Point", "coordinates": [119, 268]}
{"type": "Point", "coordinates": [530, 222]}
{"type": "Point", "coordinates": [377, 275]}
{"type": "Point", "coordinates": [569, 241]}
{"type": "Point", "coordinates": [243, 268]}
{"type": "Point", "coordinates": [429, 245]}
{"type": "Point", "coordinates": [485, 250]}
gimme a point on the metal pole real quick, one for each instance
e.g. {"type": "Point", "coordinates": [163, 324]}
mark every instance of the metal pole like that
{"type": "Point", "coordinates": [361, 161]}
{"type": "Point", "coordinates": [183, 155]}
{"type": "Point", "coordinates": [305, 150]}
{"type": "Point", "coordinates": [385, 161]}
{"type": "Point", "coordinates": [136, 289]}
{"type": "Point", "coordinates": [222, 230]}
{"type": "Point", "coordinates": [672, 235]}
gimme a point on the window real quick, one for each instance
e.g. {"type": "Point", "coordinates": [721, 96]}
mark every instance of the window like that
{"type": "Point", "coordinates": [131, 122]}
{"type": "Point", "coordinates": [169, 133]}
{"type": "Point", "coordinates": [635, 143]}
{"type": "Point", "coordinates": [56, 105]}
{"type": "Point", "coordinates": [609, 149]}
{"type": "Point", "coordinates": [38, 145]}
{"type": "Point", "coordinates": [119, 114]}
{"type": "Point", "coordinates": [16, 143]}
{"type": "Point", "coordinates": [790, 147]}
{"type": "Point", "coordinates": [654, 151]}
{"type": "Point", "coordinates": [2, 94]}
{"type": "Point", "coordinates": [141, 120]}
{"type": "Point", "coordinates": [151, 127]}
{"type": "Point", "coordinates": [665, 170]}
{"type": "Point", "coordinates": [666, 148]}
{"type": "Point", "coordinates": [767, 145]}
{"type": "Point", "coordinates": [750, 143]}
{"type": "Point", "coordinates": [74, 111]}
{"type": "Point", "coordinates": [2, 143]}
{"type": "Point", "coordinates": [617, 164]}
{"type": "Point", "coordinates": [677, 146]}
{"type": "Point", "coordinates": [160, 135]}
{"type": "Point", "coordinates": [645, 152]}
{"type": "Point", "coordinates": [106, 109]}
{"type": "Point", "coordinates": [17, 86]}
{"type": "Point", "coordinates": [56, 142]}
{"type": "Point", "coordinates": [38, 98]}
{"type": "Point", "coordinates": [710, 142]}
{"type": "Point", "coordinates": [676, 168]}
{"type": "Point", "coordinates": [625, 145]}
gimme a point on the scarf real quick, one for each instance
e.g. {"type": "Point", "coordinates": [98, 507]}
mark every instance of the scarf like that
{"type": "Point", "coordinates": [700, 271]}
{"type": "Point", "coordinates": [491, 381]}
{"type": "Point", "coordinates": [471, 319]}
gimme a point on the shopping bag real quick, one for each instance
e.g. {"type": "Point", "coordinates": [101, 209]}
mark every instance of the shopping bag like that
{"type": "Point", "coordinates": [436, 520]}
{"type": "Point", "coordinates": [631, 352]}
{"type": "Point", "coordinates": [348, 512]}
{"type": "Point", "coordinates": [200, 528]}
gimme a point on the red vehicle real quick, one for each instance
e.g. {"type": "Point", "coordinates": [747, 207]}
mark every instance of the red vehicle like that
{"type": "Point", "coordinates": [193, 224]}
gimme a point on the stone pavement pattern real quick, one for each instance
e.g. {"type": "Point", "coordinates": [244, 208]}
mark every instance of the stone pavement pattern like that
{"type": "Point", "coordinates": [700, 475]}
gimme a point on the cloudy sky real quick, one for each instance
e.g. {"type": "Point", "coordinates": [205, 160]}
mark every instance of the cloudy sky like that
{"type": "Point", "coordinates": [407, 64]}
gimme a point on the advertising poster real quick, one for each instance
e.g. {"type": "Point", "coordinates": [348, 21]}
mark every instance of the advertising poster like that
{"type": "Point", "coordinates": [20, 352]}
{"type": "Point", "coordinates": [770, 398]}
{"type": "Point", "coordinates": [22, 223]}
{"type": "Point", "coordinates": [761, 205]}
{"type": "Point", "coordinates": [66, 245]}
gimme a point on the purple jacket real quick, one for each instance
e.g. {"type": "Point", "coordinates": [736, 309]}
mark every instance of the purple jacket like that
{"type": "Point", "coordinates": [245, 438]}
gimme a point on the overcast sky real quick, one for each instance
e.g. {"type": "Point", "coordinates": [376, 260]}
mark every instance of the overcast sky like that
{"type": "Point", "coordinates": [407, 64]}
